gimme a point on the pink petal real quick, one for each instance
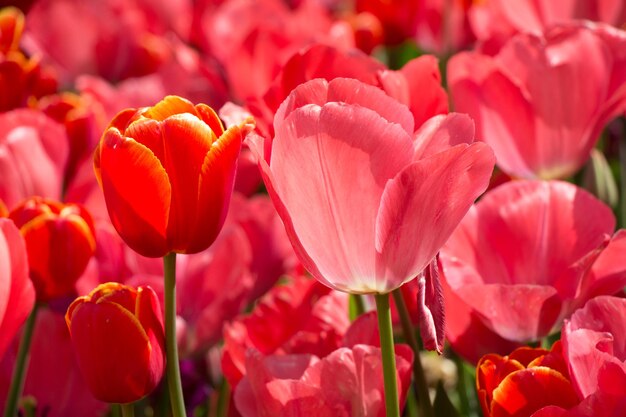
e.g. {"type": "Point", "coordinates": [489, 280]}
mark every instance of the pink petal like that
{"type": "Point", "coordinates": [477, 87]}
{"type": "Point", "coordinates": [519, 312]}
{"type": "Point", "coordinates": [17, 296]}
{"type": "Point", "coordinates": [595, 345]}
{"type": "Point", "coordinates": [430, 307]}
{"type": "Point", "coordinates": [332, 214]}
{"type": "Point", "coordinates": [442, 132]}
{"type": "Point", "coordinates": [423, 204]}
{"type": "Point", "coordinates": [349, 91]}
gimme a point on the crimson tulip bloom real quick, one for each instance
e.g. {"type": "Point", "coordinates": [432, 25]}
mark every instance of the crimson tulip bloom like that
{"type": "Point", "coordinates": [60, 242]}
{"type": "Point", "coordinates": [17, 294]}
{"type": "Point", "coordinates": [117, 333]}
{"type": "Point", "coordinates": [167, 175]}
{"type": "Point", "coordinates": [366, 201]}
{"type": "Point", "coordinates": [523, 382]}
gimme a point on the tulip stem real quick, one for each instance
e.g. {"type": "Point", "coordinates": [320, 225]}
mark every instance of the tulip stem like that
{"type": "Point", "coordinates": [423, 397]}
{"type": "Point", "coordinates": [171, 347]}
{"type": "Point", "coordinates": [388, 354]}
{"type": "Point", "coordinates": [128, 410]}
{"type": "Point", "coordinates": [21, 365]}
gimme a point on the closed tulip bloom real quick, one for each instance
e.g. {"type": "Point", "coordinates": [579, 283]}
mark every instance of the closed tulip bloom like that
{"type": "Point", "coordinates": [167, 174]}
{"type": "Point", "coordinates": [366, 201]}
{"type": "Point", "coordinates": [117, 333]}
{"type": "Point", "coordinates": [60, 242]}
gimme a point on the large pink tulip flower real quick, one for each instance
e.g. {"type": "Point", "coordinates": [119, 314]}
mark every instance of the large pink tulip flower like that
{"type": "Point", "coordinates": [542, 101]}
{"type": "Point", "coordinates": [523, 259]}
{"type": "Point", "coordinates": [367, 202]}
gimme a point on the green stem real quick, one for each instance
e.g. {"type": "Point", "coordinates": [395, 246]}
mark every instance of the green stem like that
{"type": "Point", "coordinates": [388, 354]}
{"type": "Point", "coordinates": [356, 305]}
{"type": "Point", "coordinates": [423, 397]}
{"type": "Point", "coordinates": [462, 387]}
{"type": "Point", "coordinates": [171, 347]}
{"type": "Point", "coordinates": [21, 365]}
{"type": "Point", "coordinates": [223, 399]}
{"type": "Point", "coordinates": [128, 410]}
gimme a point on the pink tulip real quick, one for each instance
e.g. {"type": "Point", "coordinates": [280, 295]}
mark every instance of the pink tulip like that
{"type": "Point", "coordinates": [523, 259]}
{"type": "Point", "coordinates": [33, 153]}
{"type": "Point", "coordinates": [595, 347]}
{"type": "Point", "coordinates": [348, 382]}
{"type": "Point", "coordinates": [495, 21]}
{"type": "Point", "coordinates": [17, 294]}
{"type": "Point", "coordinates": [542, 101]}
{"type": "Point", "coordinates": [366, 202]}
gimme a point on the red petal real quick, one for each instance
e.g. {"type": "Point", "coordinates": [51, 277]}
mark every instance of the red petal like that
{"type": "Point", "coordinates": [524, 392]}
{"type": "Point", "coordinates": [113, 352]}
{"type": "Point", "coordinates": [137, 192]}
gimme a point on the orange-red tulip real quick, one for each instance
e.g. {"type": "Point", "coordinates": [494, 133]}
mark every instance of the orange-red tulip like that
{"type": "Point", "coordinates": [524, 382]}
{"type": "Point", "coordinates": [167, 174]}
{"type": "Point", "coordinates": [60, 242]}
{"type": "Point", "coordinates": [118, 338]}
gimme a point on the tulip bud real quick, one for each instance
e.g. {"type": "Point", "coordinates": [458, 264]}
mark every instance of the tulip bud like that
{"type": "Point", "coordinates": [167, 174]}
{"type": "Point", "coordinates": [60, 242]}
{"type": "Point", "coordinates": [117, 333]}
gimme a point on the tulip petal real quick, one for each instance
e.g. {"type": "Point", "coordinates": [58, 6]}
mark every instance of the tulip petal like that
{"type": "Point", "coordinates": [187, 140]}
{"type": "Point", "coordinates": [215, 187]}
{"type": "Point", "coordinates": [505, 308]}
{"type": "Point", "coordinates": [170, 106]}
{"type": "Point", "coordinates": [339, 211]}
{"type": "Point", "coordinates": [593, 340]}
{"type": "Point", "coordinates": [18, 295]}
{"type": "Point", "coordinates": [348, 91]}
{"type": "Point", "coordinates": [96, 333]}
{"type": "Point", "coordinates": [478, 88]}
{"type": "Point", "coordinates": [523, 392]}
{"type": "Point", "coordinates": [428, 199]}
{"type": "Point", "coordinates": [430, 307]}
{"type": "Point", "coordinates": [137, 191]}
{"type": "Point", "coordinates": [440, 133]}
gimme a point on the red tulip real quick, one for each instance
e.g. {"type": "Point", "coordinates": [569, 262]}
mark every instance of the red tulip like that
{"type": "Point", "coordinates": [117, 333]}
{"type": "Point", "coordinates": [60, 242]}
{"type": "Point", "coordinates": [167, 174]}
{"type": "Point", "coordinates": [523, 382]}
{"type": "Point", "coordinates": [17, 295]}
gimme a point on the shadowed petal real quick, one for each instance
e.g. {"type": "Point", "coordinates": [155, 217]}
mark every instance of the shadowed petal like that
{"type": "Point", "coordinates": [423, 204]}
